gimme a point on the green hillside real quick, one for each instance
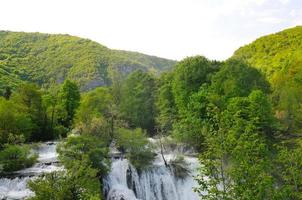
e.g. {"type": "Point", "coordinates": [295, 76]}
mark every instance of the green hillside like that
{"type": "Point", "coordinates": [45, 58]}
{"type": "Point", "coordinates": [279, 57]}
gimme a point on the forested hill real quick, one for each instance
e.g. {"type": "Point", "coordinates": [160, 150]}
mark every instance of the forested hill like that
{"type": "Point", "coordinates": [279, 56]}
{"type": "Point", "coordinates": [46, 58]}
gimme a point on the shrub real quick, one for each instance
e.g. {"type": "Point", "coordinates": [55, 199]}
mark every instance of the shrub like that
{"type": "Point", "coordinates": [16, 157]}
{"type": "Point", "coordinates": [137, 148]}
{"type": "Point", "coordinates": [180, 167]}
{"type": "Point", "coordinates": [62, 185]}
{"type": "Point", "coordinates": [85, 147]}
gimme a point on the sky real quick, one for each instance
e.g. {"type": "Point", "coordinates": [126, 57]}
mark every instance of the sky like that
{"type": "Point", "coordinates": [171, 29]}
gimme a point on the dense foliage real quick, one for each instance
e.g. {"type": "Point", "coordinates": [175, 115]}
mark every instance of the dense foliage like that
{"type": "Point", "coordinates": [70, 96]}
{"type": "Point", "coordinates": [189, 75]}
{"type": "Point", "coordinates": [38, 115]}
{"type": "Point", "coordinates": [278, 56]}
{"type": "Point", "coordinates": [137, 100]}
{"type": "Point", "coordinates": [229, 118]}
{"type": "Point", "coordinates": [96, 114]}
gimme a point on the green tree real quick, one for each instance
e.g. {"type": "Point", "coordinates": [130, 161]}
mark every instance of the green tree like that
{"type": "Point", "coordinates": [138, 102]}
{"type": "Point", "coordinates": [288, 171]}
{"type": "Point", "coordinates": [71, 185]}
{"type": "Point", "coordinates": [165, 104]}
{"type": "Point", "coordinates": [235, 78]}
{"type": "Point", "coordinates": [96, 114]}
{"type": "Point", "coordinates": [237, 161]}
{"type": "Point", "coordinates": [91, 149]}
{"type": "Point", "coordinates": [188, 76]}
{"type": "Point", "coordinates": [136, 146]}
{"type": "Point", "coordinates": [12, 121]}
{"type": "Point", "coordinates": [29, 101]}
{"type": "Point", "coordinates": [70, 101]}
{"type": "Point", "coordinates": [50, 100]}
{"type": "Point", "coordinates": [192, 127]}
{"type": "Point", "coordinates": [16, 157]}
{"type": "Point", "coordinates": [116, 85]}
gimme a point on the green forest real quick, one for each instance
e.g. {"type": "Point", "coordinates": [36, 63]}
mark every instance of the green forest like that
{"type": "Point", "coordinates": [243, 116]}
{"type": "Point", "coordinates": [47, 58]}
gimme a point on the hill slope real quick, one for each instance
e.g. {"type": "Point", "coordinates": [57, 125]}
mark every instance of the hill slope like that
{"type": "Point", "coordinates": [45, 58]}
{"type": "Point", "coordinates": [279, 57]}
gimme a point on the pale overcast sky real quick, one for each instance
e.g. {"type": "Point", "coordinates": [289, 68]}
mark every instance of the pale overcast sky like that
{"type": "Point", "coordinates": [168, 28]}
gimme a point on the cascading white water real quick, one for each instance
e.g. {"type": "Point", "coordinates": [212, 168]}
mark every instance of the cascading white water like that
{"type": "Point", "coordinates": [156, 183]}
{"type": "Point", "coordinates": [123, 182]}
{"type": "Point", "coordinates": [15, 187]}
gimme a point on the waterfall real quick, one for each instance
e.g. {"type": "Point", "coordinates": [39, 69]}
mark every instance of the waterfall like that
{"type": "Point", "coordinates": [123, 182]}
{"type": "Point", "coordinates": [155, 183]}
{"type": "Point", "coordinates": [15, 186]}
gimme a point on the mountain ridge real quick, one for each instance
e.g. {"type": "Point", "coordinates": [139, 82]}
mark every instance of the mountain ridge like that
{"type": "Point", "coordinates": [44, 58]}
{"type": "Point", "coordinates": [279, 57]}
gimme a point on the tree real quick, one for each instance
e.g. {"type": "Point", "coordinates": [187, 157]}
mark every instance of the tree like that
{"type": "Point", "coordinates": [89, 148]}
{"type": "Point", "coordinates": [237, 161]}
{"type": "Point", "coordinates": [29, 101]}
{"type": "Point", "coordinates": [16, 157]}
{"type": "Point", "coordinates": [135, 144]}
{"type": "Point", "coordinates": [192, 126]}
{"type": "Point", "coordinates": [188, 76]}
{"type": "Point", "coordinates": [86, 160]}
{"type": "Point", "coordinates": [12, 121]}
{"type": "Point", "coordinates": [235, 78]}
{"type": "Point", "coordinates": [71, 185]}
{"type": "Point", "coordinates": [138, 102]}
{"type": "Point", "coordinates": [95, 103]}
{"type": "Point", "coordinates": [116, 84]}
{"type": "Point", "coordinates": [288, 171]}
{"type": "Point", "coordinates": [165, 104]}
{"type": "Point", "coordinates": [97, 114]}
{"type": "Point", "coordinates": [50, 99]}
{"type": "Point", "coordinates": [70, 101]}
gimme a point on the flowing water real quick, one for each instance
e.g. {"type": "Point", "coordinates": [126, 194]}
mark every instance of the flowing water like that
{"type": "Point", "coordinates": [156, 183]}
{"type": "Point", "coordinates": [123, 182]}
{"type": "Point", "coordinates": [15, 186]}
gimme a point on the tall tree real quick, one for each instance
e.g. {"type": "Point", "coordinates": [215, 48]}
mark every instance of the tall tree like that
{"type": "Point", "coordinates": [70, 101]}
{"type": "Point", "coordinates": [237, 161]}
{"type": "Point", "coordinates": [165, 104]}
{"type": "Point", "coordinates": [189, 75]}
{"type": "Point", "coordinates": [138, 102]}
{"type": "Point", "coordinates": [13, 121]}
{"type": "Point", "coordinates": [236, 78]}
{"type": "Point", "coordinates": [29, 99]}
{"type": "Point", "coordinates": [96, 114]}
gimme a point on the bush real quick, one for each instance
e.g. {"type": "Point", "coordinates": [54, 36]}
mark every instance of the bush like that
{"type": "Point", "coordinates": [85, 148]}
{"type": "Point", "coordinates": [16, 157]}
{"type": "Point", "coordinates": [137, 148]}
{"type": "Point", "coordinates": [67, 186]}
{"type": "Point", "coordinates": [60, 131]}
{"type": "Point", "coordinates": [98, 127]}
{"type": "Point", "coordinates": [180, 167]}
